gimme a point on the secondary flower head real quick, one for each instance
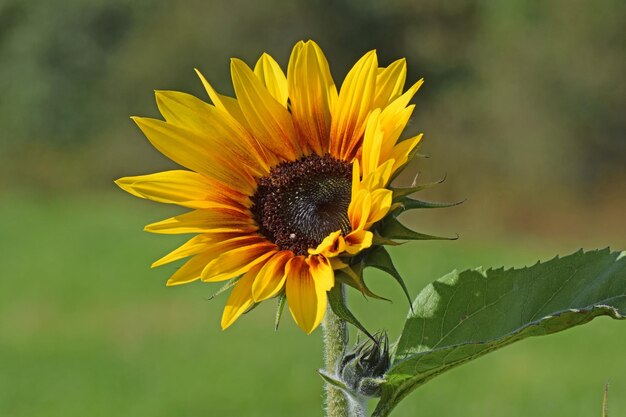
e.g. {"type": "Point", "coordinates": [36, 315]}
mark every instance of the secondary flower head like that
{"type": "Point", "coordinates": [288, 183]}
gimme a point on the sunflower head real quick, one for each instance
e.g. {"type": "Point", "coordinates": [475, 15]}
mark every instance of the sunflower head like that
{"type": "Point", "coordinates": [288, 183]}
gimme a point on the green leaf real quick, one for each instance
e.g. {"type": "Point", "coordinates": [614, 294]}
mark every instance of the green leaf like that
{"type": "Point", "coordinates": [465, 315]}
{"type": "Point", "coordinates": [338, 306]}
{"type": "Point", "coordinates": [391, 228]}
{"type": "Point", "coordinates": [379, 258]}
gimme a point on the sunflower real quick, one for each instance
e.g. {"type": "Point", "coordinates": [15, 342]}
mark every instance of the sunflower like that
{"type": "Point", "coordinates": [288, 183]}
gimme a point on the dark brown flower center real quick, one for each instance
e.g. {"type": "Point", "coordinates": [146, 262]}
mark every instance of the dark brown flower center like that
{"type": "Point", "coordinates": [301, 202]}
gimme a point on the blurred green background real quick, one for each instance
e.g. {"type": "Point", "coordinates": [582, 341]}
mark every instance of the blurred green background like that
{"type": "Point", "coordinates": [523, 109]}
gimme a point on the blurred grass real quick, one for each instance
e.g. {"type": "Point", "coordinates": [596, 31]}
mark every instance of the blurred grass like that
{"type": "Point", "coordinates": [87, 328]}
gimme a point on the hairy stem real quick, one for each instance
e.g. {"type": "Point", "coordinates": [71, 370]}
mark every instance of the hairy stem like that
{"type": "Point", "coordinates": [335, 342]}
{"type": "Point", "coordinates": [358, 407]}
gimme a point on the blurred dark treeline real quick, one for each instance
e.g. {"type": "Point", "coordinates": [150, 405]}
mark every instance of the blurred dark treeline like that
{"type": "Point", "coordinates": [522, 98]}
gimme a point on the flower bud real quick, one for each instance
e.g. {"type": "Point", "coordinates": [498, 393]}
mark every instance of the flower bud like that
{"type": "Point", "coordinates": [363, 367]}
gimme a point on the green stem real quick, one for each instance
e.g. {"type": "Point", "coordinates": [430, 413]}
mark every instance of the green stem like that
{"type": "Point", "coordinates": [358, 407]}
{"type": "Point", "coordinates": [335, 342]}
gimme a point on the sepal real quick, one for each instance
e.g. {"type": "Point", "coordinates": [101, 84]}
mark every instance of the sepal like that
{"type": "Point", "coordinates": [379, 258]}
{"type": "Point", "coordinates": [339, 307]}
{"type": "Point", "coordinates": [353, 276]}
{"type": "Point", "coordinates": [280, 305]}
{"type": "Point", "coordinates": [379, 240]}
{"type": "Point", "coordinates": [376, 257]}
{"type": "Point", "coordinates": [231, 283]}
{"type": "Point", "coordinates": [391, 228]}
{"type": "Point", "coordinates": [407, 203]}
{"type": "Point", "coordinates": [333, 380]}
{"type": "Point", "coordinates": [404, 192]}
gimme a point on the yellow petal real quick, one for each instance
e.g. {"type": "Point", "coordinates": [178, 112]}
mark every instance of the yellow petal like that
{"type": "Point", "coordinates": [307, 301]}
{"type": "Point", "coordinates": [331, 246]}
{"type": "Point", "coordinates": [183, 109]}
{"type": "Point", "coordinates": [193, 151]}
{"type": "Point", "coordinates": [214, 244]}
{"type": "Point", "coordinates": [394, 119]}
{"type": "Point", "coordinates": [372, 143]}
{"type": "Point", "coordinates": [270, 122]}
{"type": "Point", "coordinates": [194, 246]}
{"type": "Point", "coordinates": [190, 271]}
{"type": "Point", "coordinates": [167, 187]}
{"type": "Point", "coordinates": [401, 151]}
{"type": "Point", "coordinates": [221, 131]}
{"type": "Point", "coordinates": [240, 298]}
{"type": "Point", "coordinates": [381, 203]}
{"type": "Point", "coordinates": [379, 178]}
{"type": "Point", "coordinates": [358, 240]}
{"type": "Point", "coordinates": [353, 106]}
{"type": "Point", "coordinates": [271, 278]}
{"type": "Point", "coordinates": [237, 261]}
{"type": "Point", "coordinates": [400, 103]}
{"type": "Point", "coordinates": [327, 79]}
{"type": "Point", "coordinates": [312, 92]}
{"type": "Point", "coordinates": [225, 103]}
{"type": "Point", "coordinates": [204, 221]}
{"type": "Point", "coordinates": [359, 210]}
{"type": "Point", "coordinates": [322, 272]}
{"type": "Point", "coordinates": [389, 83]}
{"type": "Point", "coordinates": [272, 77]}
{"type": "Point", "coordinates": [185, 188]}
{"type": "Point", "coordinates": [392, 127]}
